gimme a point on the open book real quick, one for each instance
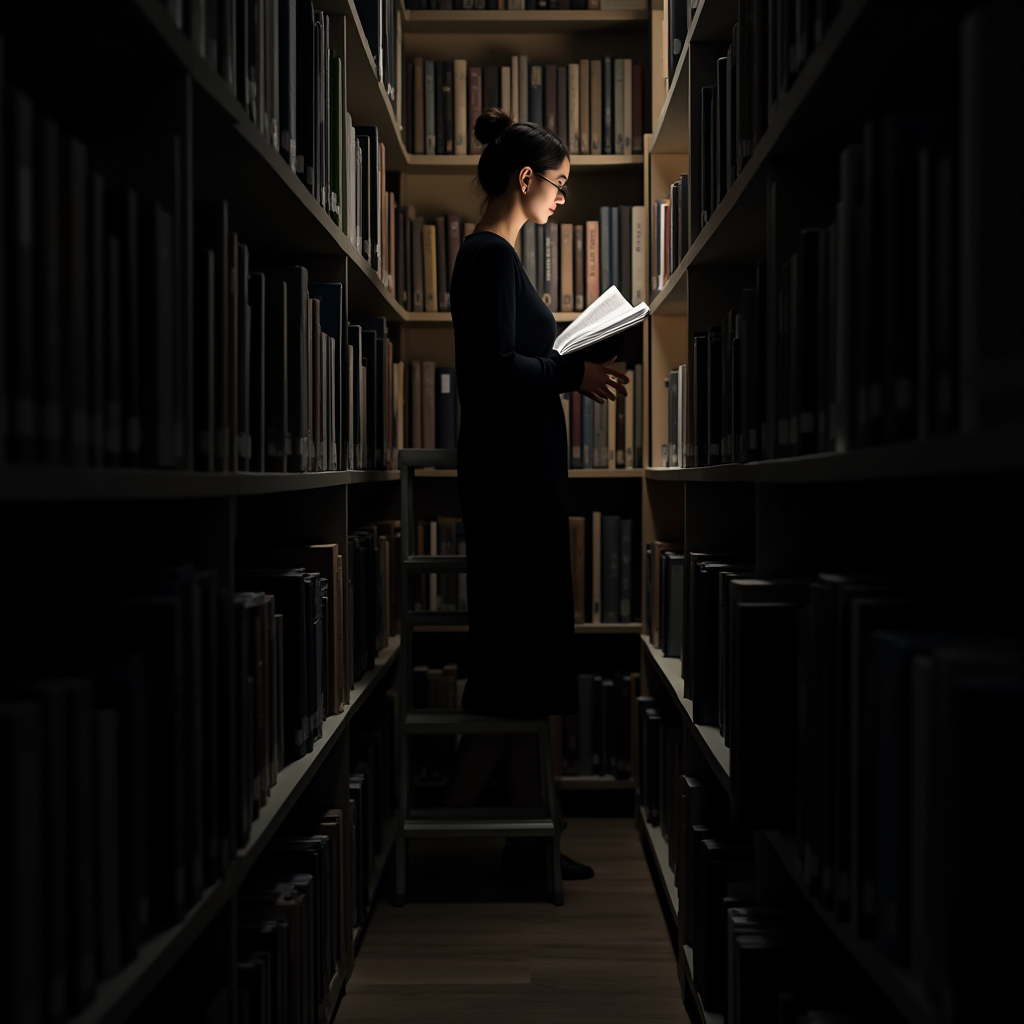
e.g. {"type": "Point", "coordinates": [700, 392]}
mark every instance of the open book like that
{"type": "Point", "coordinates": [608, 314]}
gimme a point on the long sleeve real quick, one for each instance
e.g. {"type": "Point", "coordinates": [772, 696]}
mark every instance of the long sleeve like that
{"type": "Point", "coordinates": [484, 318]}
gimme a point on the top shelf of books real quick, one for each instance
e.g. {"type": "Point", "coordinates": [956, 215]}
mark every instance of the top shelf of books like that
{"type": "Point", "coordinates": [532, 21]}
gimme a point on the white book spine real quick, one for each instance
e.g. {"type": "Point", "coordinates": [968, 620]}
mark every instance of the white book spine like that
{"type": "Point", "coordinates": [639, 251]}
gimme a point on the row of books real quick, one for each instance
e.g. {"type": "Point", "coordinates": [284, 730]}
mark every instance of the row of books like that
{"type": "Point", "coordinates": [277, 59]}
{"type": "Point", "coordinates": [373, 795]}
{"type": "Point", "coordinates": [156, 763]}
{"type": "Point", "coordinates": [594, 106]}
{"type": "Point", "coordinates": [606, 435]}
{"type": "Point", "coordinates": [267, 375]}
{"type": "Point", "coordinates": [670, 228]}
{"type": "Point", "coordinates": [158, 751]}
{"type": "Point", "coordinates": [290, 938]}
{"type": "Point", "coordinates": [437, 688]}
{"type": "Point", "coordinates": [570, 265]}
{"type": "Point", "coordinates": [596, 739]}
{"type": "Point", "coordinates": [440, 591]}
{"type": "Point", "coordinates": [374, 593]}
{"type": "Point", "coordinates": [276, 56]}
{"type": "Point", "coordinates": [605, 568]}
{"type": "Point", "coordinates": [527, 5]}
{"type": "Point", "coordinates": [863, 346]}
{"type": "Point", "coordinates": [750, 961]}
{"type": "Point", "coordinates": [846, 685]}
{"type": "Point", "coordinates": [769, 48]}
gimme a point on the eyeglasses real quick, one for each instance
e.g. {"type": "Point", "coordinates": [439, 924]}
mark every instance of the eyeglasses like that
{"type": "Point", "coordinates": [563, 190]}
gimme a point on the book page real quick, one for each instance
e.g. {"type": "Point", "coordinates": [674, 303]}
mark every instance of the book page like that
{"type": "Point", "coordinates": [604, 309]}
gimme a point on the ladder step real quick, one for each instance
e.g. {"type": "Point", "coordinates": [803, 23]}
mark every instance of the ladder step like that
{"type": "Point", "coordinates": [452, 723]}
{"type": "Point", "coordinates": [435, 829]}
{"type": "Point", "coordinates": [435, 563]}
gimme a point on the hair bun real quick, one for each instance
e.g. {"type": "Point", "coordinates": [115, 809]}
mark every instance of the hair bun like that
{"type": "Point", "coordinates": [490, 124]}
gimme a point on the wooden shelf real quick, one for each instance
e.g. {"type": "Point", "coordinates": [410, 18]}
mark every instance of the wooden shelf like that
{"type": "Point", "coordinates": [659, 849]}
{"type": "Point", "coordinates": [709, 739]}
{"type": "Point", "coordinates": [574, 474]}
{"type": "Point", "coordinates": [589, 628]}
{"type": "Point", "coordinates": [706, 1016]}
{"type": "Point", "coordinates": [410, 317]}
{"type": "Point", "coordinates": [593, 783]}
{"type": "Point", "coordinates": [672, 299]}
{"type": "Point", "coordinates": [68, 483]}
{"type": "Point", "coordinates": [901, 990]}
{"type": "Point", "coordinates": [377, 874]}
{"type": "Point", "coordinates": [463, 164]}
{"type": "Point", "coordinates": [548, 22]}
{"type": "Point", "coordinates": [269, 205]}
{"type": "Point", "coordinates": [119, 996]}
{"type": "Point", "coordinates": [955, 455]}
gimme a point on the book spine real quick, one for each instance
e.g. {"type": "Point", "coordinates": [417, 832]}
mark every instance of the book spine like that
{"type": "Point", "coordinates": [551, 98]}
{"type": "Point", "coordinates": [627, 105]}
{"type": "Point", "coordinates": [576, 431]}
{"type": "Point", "coordinates": [461, 67]}
{"type": "Point", "coordinates": [566, 265]}
{"type": "Point", "coordinates": [639, 247]}
{"type": "Point", "coordinates": [587, 434]}
{"type": "Point", "coordinates": [618, 104]}
{"type": "Point", "coordinates": [596, 106]}
{"type": "Point", "coordinates": [579, 276]}
{"type": "Point", "coordinates": [593, 261]}
{"type": "Point", "coordinates": [584, 114]}
{"type": "Point", "coordinates": [574, 109]}
{"type": "Point", "coordinates": [547, 275]}
{"type": "Point", "coordinates": [608, 106]}
{"type": "Point", "coordinates": [595, 567]}
{"type": "Point", "coordinates": [430, 268]}
{"type": "Point", "coordinates": [637, 119]}
{"type": "Point", "coordinates": [430, 114]}
{"type": "Point", "coordinates": [476, 98]}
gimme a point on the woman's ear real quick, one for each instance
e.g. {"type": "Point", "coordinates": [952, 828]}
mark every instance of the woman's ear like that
{"type": "Point", "coordinates": [524, 179]}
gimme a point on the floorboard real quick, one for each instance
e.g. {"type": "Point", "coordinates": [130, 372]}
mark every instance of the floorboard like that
{"type": "Point", "coordinates": [470, 947]}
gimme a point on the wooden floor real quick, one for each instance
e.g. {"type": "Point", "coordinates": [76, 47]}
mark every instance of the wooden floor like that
{"type": "Point", "coordinates": [468, 948]}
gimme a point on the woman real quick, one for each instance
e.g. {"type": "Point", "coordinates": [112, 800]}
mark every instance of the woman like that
{"type": "Point", "coordinates": [513, 477]}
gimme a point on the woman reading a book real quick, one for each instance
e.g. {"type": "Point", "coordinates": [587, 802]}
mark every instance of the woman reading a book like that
{"type": "Point", "coordinates": [513, 476]}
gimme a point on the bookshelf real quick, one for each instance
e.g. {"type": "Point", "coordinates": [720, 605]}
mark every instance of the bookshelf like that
{"type": "Point", "coordinates": [126, 524]}
{"type": "Point", "coordinates": [441, 184]}
{"type": "Point", "coordinates": [870, 503]}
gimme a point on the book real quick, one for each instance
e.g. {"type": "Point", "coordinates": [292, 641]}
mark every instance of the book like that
{"type": "Point", "coordinates": [608, 315]}
{"type": "Point", "coordinates": [567, 263]}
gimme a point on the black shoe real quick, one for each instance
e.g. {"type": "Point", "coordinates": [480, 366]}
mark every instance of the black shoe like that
{"type": "Point", "coordinates": [525, 857]}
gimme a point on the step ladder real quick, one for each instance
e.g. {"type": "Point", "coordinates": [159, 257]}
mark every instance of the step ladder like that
{"type": "Point", "coordinates": [543, 822]}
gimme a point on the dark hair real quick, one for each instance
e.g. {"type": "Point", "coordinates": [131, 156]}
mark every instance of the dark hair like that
{"type": "Point", "coordinates": [510, 146]}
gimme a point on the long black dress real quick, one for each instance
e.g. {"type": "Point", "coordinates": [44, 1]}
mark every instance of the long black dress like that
{"type": "Point", "coordinates": [513, 483]}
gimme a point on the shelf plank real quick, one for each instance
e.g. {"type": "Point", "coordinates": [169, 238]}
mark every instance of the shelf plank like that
{"type": "Point", "coordinates": [551, 21]}
{"type": "Point", "coordinates": [709, 739]}
{"type": "Point", "coordinates": [706, 1016]}
{"type": "Point", "coordinates": [589, 628]}
{"type": "Point", "coordinates": [574, 474]}
{"type": "Point", "coordinates": [593, 783]}
{"type": "Point", "coordinates": [269, 205]}
{"type": "Point", "coordinates": [409, 317]}
{"type": "Point", "coordinates": [68, 483]}
{"type": "Point", "coordinates": [659, 848]}
{"type": "Point", "coordinates": [463, 163]}
{"type": "Point", "coordinates": [672, 299]}
{"type": "Point", "coordinates": [117, 998]}
{"type": "Point", "coordinates": [955, 455]}
{"type": "Point", "coordinates": [901, 990]}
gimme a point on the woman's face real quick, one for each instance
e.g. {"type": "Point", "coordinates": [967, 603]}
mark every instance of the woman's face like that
{"type": "Point", "coordinates": [543, 195]}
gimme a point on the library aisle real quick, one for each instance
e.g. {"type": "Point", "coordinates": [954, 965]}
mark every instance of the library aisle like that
{"type": "Point", "coordinates": [603, 956]}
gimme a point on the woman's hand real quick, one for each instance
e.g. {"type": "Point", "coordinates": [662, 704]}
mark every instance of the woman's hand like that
{"type": "Point", "coordinates": [600, 381]}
